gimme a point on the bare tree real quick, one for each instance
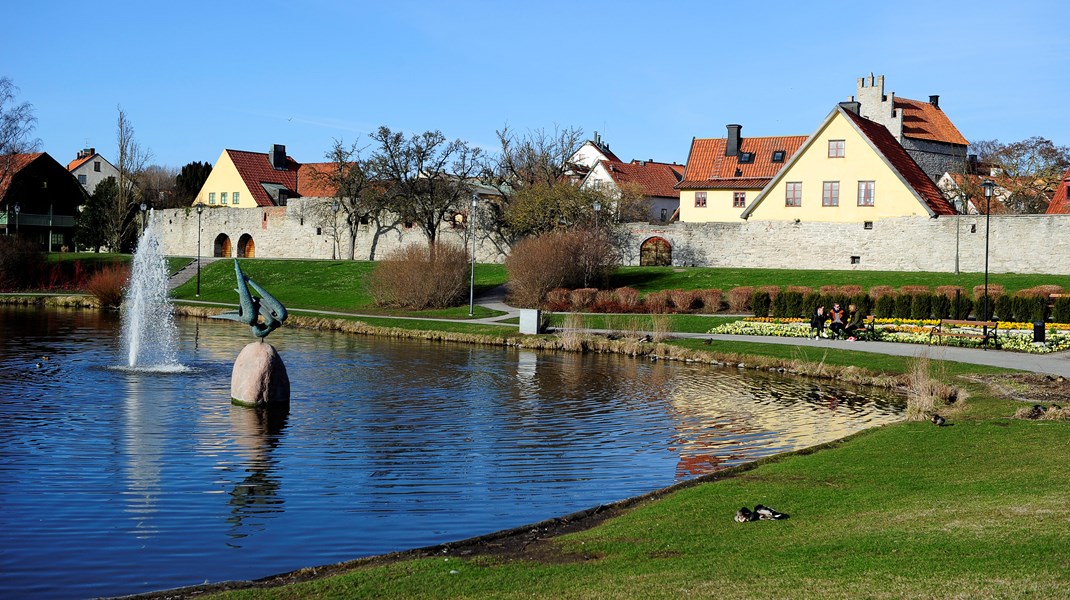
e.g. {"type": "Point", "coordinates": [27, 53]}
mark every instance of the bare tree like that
{"type": "Point", "coordinates": [119, 216]}
{"type": "Point", "coordinates": [1029, 171]}
{"type": "Point", "coordinates": [16, 125]}
{"type": "Point", "coordinates": [158, 186]}
{"type": "Point", "coordinates": [430, 178]}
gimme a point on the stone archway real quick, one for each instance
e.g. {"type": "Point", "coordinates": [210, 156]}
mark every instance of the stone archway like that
{"type": "Point", "coordinates": [246, 246]}
{"type": "Point", "coordinates": [222, 246]}
{"type": "Point", "coordinates": [655, 252]}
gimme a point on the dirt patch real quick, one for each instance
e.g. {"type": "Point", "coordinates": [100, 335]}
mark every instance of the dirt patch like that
{"type": "Point", "coordinates": [1030, 387]}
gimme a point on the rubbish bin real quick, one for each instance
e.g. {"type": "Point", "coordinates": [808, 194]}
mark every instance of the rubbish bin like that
{"type": "Point", "coordinates": [1038, 332]}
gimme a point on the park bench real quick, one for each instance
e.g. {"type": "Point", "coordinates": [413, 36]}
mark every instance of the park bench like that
{"type": "Point", "coordinates": [949, 328]}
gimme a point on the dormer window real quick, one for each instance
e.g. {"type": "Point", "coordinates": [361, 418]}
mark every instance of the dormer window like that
{"type": "Point", "coordinates": [778, 156]}
{"type": "Point", "coordinates": [746, 157]}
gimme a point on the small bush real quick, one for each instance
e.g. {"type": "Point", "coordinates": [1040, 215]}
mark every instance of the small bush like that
{"type": "Point", "coordinates": [560, 258]}
{"type": "Point", "coordinates": [682, 300]}
{"type": "Point", "coordinates": [803, 290]}
{"type": "Point", "coordinates": [558, 300]}
{"type": "Point", "coordinates": [106, 285]}
{"type": "Point", "coordinates": [605, 301]}
{"type": "Point", "coordinates": [921, 306]}
{"type": "Point", "coordinates": [879, 291]}
{"type": "Point", "coordinates": [961, 307]}
{"type": "Point", "coordinates": [628, 298]}
{"type": "Point", "coordinates": [739, 299]}
{"type": "Point", "coordinates": [850, 290]}
{"type": "Point", "coordinates": [772, 290]}
{"type": "Point", "coordinates": [1060, 311]}
{"type": "Point", "coordinates": [949, 291]}
{"type": "Point", "coordinates": [830, 290]}
{"type": "Point", "coordinates": [884, 307]}
{"type": "Point", "coordinates": [421, 277]}
{"type": "Point", "coordinates": [710, 300]}
{"type": "Point", "coordinates": [941, 305]}
{"type": "Point", "coordinates": [994, 289]}
{"type": "Point", "coordinates": [1001, 306]}
{"type": "Point", "coordinates": [657, 302]}
{"type": "Point", "coordinates": [863, 303]}
{"type": "Point", "coordinates": [1046, 290]}
{"type": "Point", "coordinates": [790, 304]}
{"type": "Point", "coordinates": [1029, 306]}
{"type": "Point", "coordinates": [21, 263]}
{"type": "Point", "coordinates": [582, 299]}
{"type": "Point", "coordinates": [760, 303]}
{"type": "Point", "coordinates": [912, 290]}
{"type": "Point", "coordinates": [904, 306]}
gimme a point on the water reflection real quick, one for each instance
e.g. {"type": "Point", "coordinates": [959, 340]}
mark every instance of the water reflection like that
{"type": "Point", "coordinates": [387, 445]}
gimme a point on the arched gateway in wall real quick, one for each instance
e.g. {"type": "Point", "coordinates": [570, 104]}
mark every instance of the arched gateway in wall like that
{"type": "Point", "coordinates": [222, 246]}
{"type": "Point", "coordinates": [655, 252]}
{"type": "Point", "coordinates": [246, 246]}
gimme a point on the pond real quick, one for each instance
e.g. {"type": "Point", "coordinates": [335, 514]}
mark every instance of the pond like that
{"type": "Point", "coordinates": [117, 482]}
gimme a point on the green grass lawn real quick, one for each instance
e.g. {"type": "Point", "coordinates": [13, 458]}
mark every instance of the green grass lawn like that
{"type": "Point", "coordinates": [642, 322]}
{"type": "Point", "coordinates": [651, 279]}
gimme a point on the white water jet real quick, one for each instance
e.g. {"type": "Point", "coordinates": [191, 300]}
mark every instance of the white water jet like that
{"type": "Point", "coordinates": [149, 332]}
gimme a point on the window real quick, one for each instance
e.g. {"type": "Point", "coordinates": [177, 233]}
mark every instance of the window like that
{"type": "Point", "coordinates": [739, 199]}
{"type": "Point", "coordinates": [81, 179]}
{"type": "Point", "coordinates": [830, 193]}
{"type": "Point", "coordinates": [211, 197]}
{"type": "Point", "coordinates": [223, 198]}
{"type": "Point", "coordinates": [700, 199]}
{"type": "Point", "coordinates": [793, 194]}
{"type": "Point", "coordinates": [867, 224]}
{"type": "Point", "coordinates": [778, 156]}
{"type": "Point", "coordinates": [866, 192]}
{"type": "Point", "coordinates": [746, 157]}
{"type": "Point", "coordinates": [856, 260]}
{"type": "Point", "coordinates": [234, 198]}
{"type": "Point", "coordinates": [835, 148]}
{"type": "Point", "coordinates": [96, 166]}
{"type": "Point", "coordinates": [664, 214]}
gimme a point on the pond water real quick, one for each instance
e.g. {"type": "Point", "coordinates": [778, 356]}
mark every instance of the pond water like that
{"type": "Point", "coordinates": [116, 482]}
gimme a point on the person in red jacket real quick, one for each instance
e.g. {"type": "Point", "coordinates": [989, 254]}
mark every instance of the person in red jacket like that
{"type": "Point", "coordinates": [836, 321]}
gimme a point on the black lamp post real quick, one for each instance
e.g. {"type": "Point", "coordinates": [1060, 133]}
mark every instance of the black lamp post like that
{"type": "Point", "coordinates": [144, 207]}
{"type": "Point", "coordinates": [18, 209]}
{"type": "Point", "coordinates": [597, 212]}
{"type": "Point", "coordinates": [200, 209]}
{"type": "Point", "coordinates": [334, 227]}
{"type": "Point", "coordinates": [472, 279]}
{"type": "Point", "coordinates": [988, 187]}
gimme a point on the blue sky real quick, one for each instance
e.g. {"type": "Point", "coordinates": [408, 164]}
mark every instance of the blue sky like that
{"type": "Point", "coordinates": [196, 77]}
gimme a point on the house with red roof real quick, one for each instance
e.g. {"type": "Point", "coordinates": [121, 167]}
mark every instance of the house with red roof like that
{"type": "Point", "coordinates": [1060, 203]}
{"type": "Point", "coordinates": [850, 170]}
{"type": "Point", "coordinates": [90, 168]}
{"type": "Point", "coordinates": [242, 179]}
{"type": "Point", "coordinates": [922, 128]}
{"type": "Point", "coordinates": [723, 176]}
{"type": "Point", "coordinates": [587, 156]}
{"type": "Point", "coordinates": [39, 200]}
{"type": "Point", "coordinates": [654, 181]}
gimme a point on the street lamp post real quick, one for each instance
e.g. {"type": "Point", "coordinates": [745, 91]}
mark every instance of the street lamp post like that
{"type": "Point", "coordinates": [988, 186]}
{"type": "Point", "coordinates": [597, 212]}
{"type": "Point", "coordinates": [472, 279]}
{"type": "Point", "coordinates": [144, 207]}
{"type": "Point", "coordinates": [18, 209]}
{"type": "Point", "coordinates": [200, 209]}
{"type": "Point", "coordinates": [958, 228]}
{"type": "Point", "coordinates": [334, 227]}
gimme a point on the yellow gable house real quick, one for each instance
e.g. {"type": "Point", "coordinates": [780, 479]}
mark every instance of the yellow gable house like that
{"type": "Point", "coordinates": [243, 179]}
{"type": "Point", "coordinates": [850, 170]}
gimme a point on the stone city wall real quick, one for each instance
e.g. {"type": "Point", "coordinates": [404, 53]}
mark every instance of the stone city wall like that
{"type": "Point", "coordinates": [1017, 244]}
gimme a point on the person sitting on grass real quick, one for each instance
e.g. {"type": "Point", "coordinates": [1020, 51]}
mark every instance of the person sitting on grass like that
{"type": "Point", "coordinates": [854, 328]}
{"type": "Point", "coordinates": [837, 321]}
{"type": "Point", "coordinates": [817, 322]}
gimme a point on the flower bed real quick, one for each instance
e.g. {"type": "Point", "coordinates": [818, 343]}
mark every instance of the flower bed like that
{"type": "Point", "coordinates": [1017, 337]}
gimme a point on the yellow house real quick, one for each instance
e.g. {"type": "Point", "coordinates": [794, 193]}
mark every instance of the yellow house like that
{"type": "Point", "coordinates": [850, 170]}
{"type": "Point", "coordinates": [725, 175]}
{"type": "Point", "coordinates": [243, 179]}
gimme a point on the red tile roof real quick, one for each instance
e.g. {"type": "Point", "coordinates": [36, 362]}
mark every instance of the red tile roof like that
{"type": "Point", "coordinates": [74, 164]}
{"type": "Point", "coordinates": [923, 121]}
{"type": "Point", "coordinates": [10, 164]}
{"type": "Point", "coordinates": [1060, 204]}
{"type": "Point", "coordinates": [653, 178]}
{"type": "Point", "coordinates": [893, 151]}
{"type": "Point", "coordinates": [312, 182]}
{"type": "Point", "coordinates": [255, 168]}
{"type": "Point", "coordinates": [709, 168]}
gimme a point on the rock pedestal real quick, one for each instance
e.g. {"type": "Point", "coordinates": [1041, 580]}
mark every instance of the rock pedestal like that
{"type": "Point", "coordinates": [259, 377]}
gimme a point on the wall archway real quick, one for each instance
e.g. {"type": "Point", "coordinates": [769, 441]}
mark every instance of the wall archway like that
{"type": "Point", "coordinates": [222, 246]}
{"type": "Point", "coordinates": [246, 246]}
{"type": "Point", "coordinates": [655, 252]}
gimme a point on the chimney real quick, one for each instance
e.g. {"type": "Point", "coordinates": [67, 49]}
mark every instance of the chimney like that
{"type": "Point", "coordinates": [852, 106]}
{"type": "Point", "coordinates": [731, 147]}
{"type": "Point", "coordinates": [971, 164]}
{"type": "Point", "coordinates": [935, 101]}
{"type": "Point", "coordinates": [277, 157]}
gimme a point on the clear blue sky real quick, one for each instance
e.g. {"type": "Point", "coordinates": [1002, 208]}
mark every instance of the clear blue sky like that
{"type": "Point", "coordinates": [196, 77]}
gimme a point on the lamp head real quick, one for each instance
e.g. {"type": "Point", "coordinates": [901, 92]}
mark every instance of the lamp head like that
{"type": "Point", "coordinates": [18, 207]}
{"type": "Point", "coordinates": [143, 207]}
{"type": "Point", "coordinates": [988, 187]}
{"type": "Point", "coordinates": [200, 208]}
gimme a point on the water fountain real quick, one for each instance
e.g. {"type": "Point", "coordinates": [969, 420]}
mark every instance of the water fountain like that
{"type": "Point", "coordinates": [149, 333]}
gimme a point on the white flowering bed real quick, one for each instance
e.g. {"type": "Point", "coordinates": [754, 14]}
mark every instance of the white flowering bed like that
{"type": "Point", "coordinates": [905, 333]}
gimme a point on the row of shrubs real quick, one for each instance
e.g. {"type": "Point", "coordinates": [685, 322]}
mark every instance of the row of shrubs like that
{"type": "Point", "coordinates": [907, 302]}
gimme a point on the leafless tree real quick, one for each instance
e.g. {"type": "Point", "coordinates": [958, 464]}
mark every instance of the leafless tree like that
{"type": "Point", "coordinates": [17, 122]}
{"type": "Point", "coordinates": [158, 186]}
{"type": "Point", "coordinates": [429, 177]}
{"type": "Point", "coordinates": [119, 216]}
{"type": "Point", "coordinates": [1028, 171]}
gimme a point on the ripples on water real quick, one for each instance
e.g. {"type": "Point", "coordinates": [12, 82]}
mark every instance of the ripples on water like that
{"type": "Point", "coordinates": [124, 481]}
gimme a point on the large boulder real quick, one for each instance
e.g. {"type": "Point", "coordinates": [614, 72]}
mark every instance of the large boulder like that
{"type": "Point", "coordinates": [259, 377]}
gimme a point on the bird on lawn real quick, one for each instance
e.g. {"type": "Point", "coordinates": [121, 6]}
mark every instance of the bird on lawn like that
{"type": "Point", "coordinates": [744, 514]}
{"type": "Point", "coordinates": [938, 421]}
{"type": "Point", "coordinates": [766, 513]}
